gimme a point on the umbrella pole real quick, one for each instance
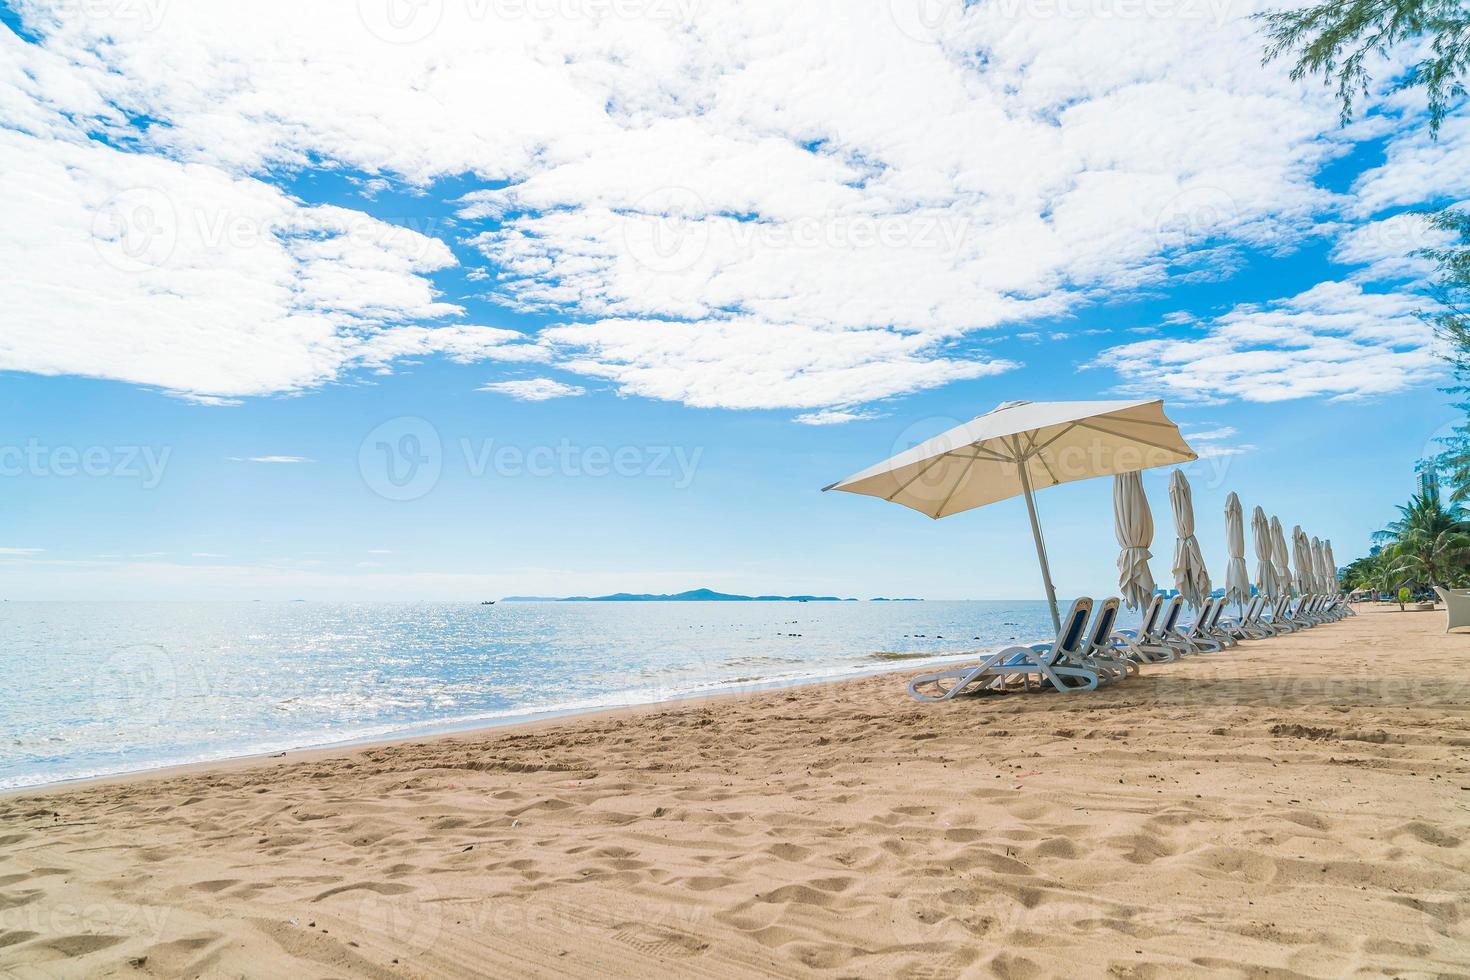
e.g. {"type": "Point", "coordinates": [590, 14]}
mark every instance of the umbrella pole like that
{"type": "Point", "coordinates": [1051, 592]}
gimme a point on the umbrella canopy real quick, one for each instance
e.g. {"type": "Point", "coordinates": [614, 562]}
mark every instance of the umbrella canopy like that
{"type": "Point", "coordinates": [1301, 560]}
{"type": "Point", "coordinates": [1332, 580]}
{"type": "Point", "coordinates": [1237, 578]}
{"type": "Point", "coordinates": [1266, 581]}
{"type": "Point", "coordinates": [1019, 447]}
{"type": "Point", "coordinates": [1279, 561]}
{"type": "Point", "coordinates": [1134, 525]}
{"type": "Point", "coordinates": [1191, 577]}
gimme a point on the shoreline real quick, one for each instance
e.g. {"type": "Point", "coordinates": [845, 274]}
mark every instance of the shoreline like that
{"type": "Point", "coordinates": [471, 728]}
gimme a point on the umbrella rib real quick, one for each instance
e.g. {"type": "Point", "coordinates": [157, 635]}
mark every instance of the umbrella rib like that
{"type": "Point", "coordinates": [1124, 435]}
{"type": "Point", "coordinates": [911, 480]}
{"type": "Point", "coordinates": [932, 463]}
{"type": "Point", "coordinates": [1120, 418]}
{"type": "Point", "coordinates": [964, 472]}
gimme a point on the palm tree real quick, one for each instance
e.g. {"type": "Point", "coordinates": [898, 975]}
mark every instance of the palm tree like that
{"type": "Point", "coordinates": [1430, 541]}
{"type": "Point", "coordinates": [1432, 559]}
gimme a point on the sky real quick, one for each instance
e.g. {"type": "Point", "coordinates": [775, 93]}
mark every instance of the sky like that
{"type": "Point", "coordinates": [455, 299]}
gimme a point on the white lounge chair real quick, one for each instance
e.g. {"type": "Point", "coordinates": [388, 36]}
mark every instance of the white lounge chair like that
{"type": "Point", "coordinates": [1047, 662]}
{"type": "Point", "coordinates": [1105, 652]}
{"type": "Point", "coordinates": [1249, 625]}
{"type": "Point", "coordinates": [1157, 639]}
{"type": "Point", "coordinates": [1215, 630]}
{"type": "Point", "coordinates": [1198, 633]}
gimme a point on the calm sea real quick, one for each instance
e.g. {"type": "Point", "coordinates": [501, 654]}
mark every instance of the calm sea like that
{"type": "Point", "coordinates": [100, 688]}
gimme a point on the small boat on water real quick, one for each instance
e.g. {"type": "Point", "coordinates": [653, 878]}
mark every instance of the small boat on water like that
{"type": "Point", "coordinates": [488, 602]}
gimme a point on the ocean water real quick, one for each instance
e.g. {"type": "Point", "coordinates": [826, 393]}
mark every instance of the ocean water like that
{"type": "Point", "coordinates": [102, 688]}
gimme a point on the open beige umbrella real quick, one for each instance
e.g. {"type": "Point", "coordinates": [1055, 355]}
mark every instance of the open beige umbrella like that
{"type": "Point", "coordinates": [1266, 582]}
{"type": "Point", "coordinates": [1133, 523]}
{"type": "Point", "coordinates": [1018, 448]}
{"type": "Point", "coordinates": [1278, 558]}
{"type": "Point", "coordinates": [1237, 578]}
{"type": "Point", "coordinates": [1191, 577]}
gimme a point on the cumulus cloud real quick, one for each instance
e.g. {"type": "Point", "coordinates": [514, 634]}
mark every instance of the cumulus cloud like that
{"type": "Point", "coordinates": [763, 205]}
{"type": "Point", "coordinates": [534, 389]}
{"type": "Point", "coordinates": [1333, 340]}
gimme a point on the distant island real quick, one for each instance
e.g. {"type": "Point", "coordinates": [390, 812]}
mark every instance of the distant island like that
{"type": "Point", "coordinates": [693, 595]}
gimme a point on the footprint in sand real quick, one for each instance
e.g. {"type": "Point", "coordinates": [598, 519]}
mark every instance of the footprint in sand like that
{"type": "Point", "coordinates": [81, 944]}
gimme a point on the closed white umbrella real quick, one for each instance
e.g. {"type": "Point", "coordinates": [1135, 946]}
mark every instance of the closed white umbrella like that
{"type": "Point", "coordinates": [1266, 582]}
{"type": "Point", "coordinates": [1332, 580]}
{"type": "Point", "coordinates": [1279, 561]}
{"type": "Point", "coordinates": [1301, 560]}
{"type": "Point", "coordinates": [1319, 566]}
{"type": "Point", "coordinates": [1020, 447]}
{"type": "Point", "coordinates": [1237, 578]}
{"type": "Point", "coordinates": [1191, 577]}
{"type": "Point", "coordinates": [1133, 523]}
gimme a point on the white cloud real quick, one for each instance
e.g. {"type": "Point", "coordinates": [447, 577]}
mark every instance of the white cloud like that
{"type": "Point", "coordinates": [750, 363]}
{"type": "Point", "coordinates": [1333, 340]}
{"type": "Point", "coordinates": [534, 389]}
{"type": "Point", "coordinates": [269, 459]}
{"type": "Point", "coordinates": [798, 205]}
{"type": "Point", "coordinates": [17, 552]}
{"type": "Point", "coordinates": [831, 416]}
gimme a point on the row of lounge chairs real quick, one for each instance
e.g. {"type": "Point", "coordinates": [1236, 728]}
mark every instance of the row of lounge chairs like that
{"type": "Point", "coordinates": [1084, 657]}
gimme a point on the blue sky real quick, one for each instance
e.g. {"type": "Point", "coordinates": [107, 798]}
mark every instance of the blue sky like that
{"type": "Point", "coordinates": [647, 311]}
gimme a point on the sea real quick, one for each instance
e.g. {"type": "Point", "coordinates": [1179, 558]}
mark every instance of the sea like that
{"type": "Point", "coordinates": [96, 688]}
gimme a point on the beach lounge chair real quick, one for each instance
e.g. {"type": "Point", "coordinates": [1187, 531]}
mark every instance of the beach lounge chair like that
{"type": "Point", "coordinates": [1280, 621]}
{"type": "Point", "coordinates": [1157, 639]}
{"type": "Point", "coordinates": [1198, 633]}
{"type": "Point", "coordinates": [1456, 607]}
{"type": "Point", "coordinates": [1047, 662]}
{"type": "Point", "coordinates": [1106, 653]}
{"type": "Point", "coordinates": [1249, 625]}
{"type": "Point", "coordinates": [1215, 630]}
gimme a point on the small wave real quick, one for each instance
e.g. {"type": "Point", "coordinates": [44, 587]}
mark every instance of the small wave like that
{"type": "Point", "coordinates": [888, 656]}
{"type": "Point", "coordinates": [760, 661]}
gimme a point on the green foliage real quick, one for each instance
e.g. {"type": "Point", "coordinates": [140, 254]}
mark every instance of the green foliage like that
{"type": "Point", "coordinates": [1338, 38]}
{"type": "Point", "coordinates": [1404, 596]}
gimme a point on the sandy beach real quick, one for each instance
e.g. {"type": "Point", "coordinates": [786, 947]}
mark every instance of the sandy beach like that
{"type": "Point", "coordinates": [1293, 807]}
